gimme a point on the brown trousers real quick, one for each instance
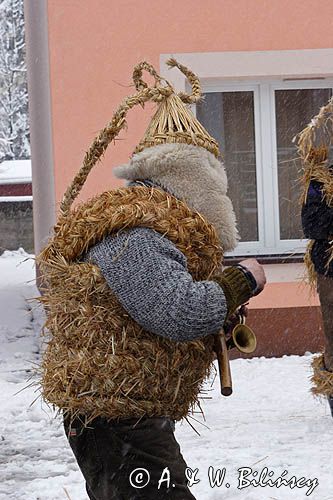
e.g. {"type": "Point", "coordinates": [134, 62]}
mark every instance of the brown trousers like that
{"type": "Point", "coordinates": [325, 291]}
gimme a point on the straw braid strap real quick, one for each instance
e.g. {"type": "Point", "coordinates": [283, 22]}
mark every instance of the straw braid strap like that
{"type": "Point", "coordinates": [321, 379]}
{"type": "Point", "coordinates": [99, 361]}
{"type": "Point", "coordinates": [314, 144]}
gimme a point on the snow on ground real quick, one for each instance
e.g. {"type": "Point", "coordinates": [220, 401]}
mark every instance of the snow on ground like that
{"type": "Point", "coordinates": [271, 420]}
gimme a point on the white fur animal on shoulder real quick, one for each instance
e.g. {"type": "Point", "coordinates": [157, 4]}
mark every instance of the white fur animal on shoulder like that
{"type": "Point", "coordinates": [192, 174]}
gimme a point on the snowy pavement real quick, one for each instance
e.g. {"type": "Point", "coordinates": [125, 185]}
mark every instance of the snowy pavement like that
{"type": "Point", "coordinates": [270, 422]}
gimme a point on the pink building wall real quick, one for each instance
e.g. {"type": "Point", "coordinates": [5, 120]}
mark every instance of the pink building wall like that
{"type": "Point", "coordinates": [93, 47]}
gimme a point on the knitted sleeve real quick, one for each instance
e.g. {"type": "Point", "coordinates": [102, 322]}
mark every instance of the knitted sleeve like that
{"type": "Point", "coordinates": [149, 276]}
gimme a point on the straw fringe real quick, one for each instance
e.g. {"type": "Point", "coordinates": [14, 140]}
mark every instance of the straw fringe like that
{"type": "Point", "coordinates": [321, 379]}
{"type": "Point", "coordinates": [315, 140]}
{"type": "Point", "coordinates": [98, 361]}
{"type": "Point", "coordinates": [311, 277]}
{"type": "Point", "coordinates": [313, 144]}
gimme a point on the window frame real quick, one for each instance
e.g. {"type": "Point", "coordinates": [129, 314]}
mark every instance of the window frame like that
{"type": "Point", "coordinates": [269, 241]}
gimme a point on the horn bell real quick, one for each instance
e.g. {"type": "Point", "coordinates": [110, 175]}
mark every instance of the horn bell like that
{"type": "Point", "coordinates": [243, 338]}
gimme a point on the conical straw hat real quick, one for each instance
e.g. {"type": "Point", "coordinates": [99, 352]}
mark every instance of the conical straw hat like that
{"type": "Point", "coordinates": [173, 121]}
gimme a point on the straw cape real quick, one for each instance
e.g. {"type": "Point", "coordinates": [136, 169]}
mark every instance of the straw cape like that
{"type": "Point", "coordinates": [98, 360]}
{"type": "Point", "coordinates": [314, 146]}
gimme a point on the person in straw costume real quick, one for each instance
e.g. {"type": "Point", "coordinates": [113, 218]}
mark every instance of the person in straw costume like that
{"type": "Point", "coordinates": [134, 289]}
{"type": "Point", "coordinates": [315, 148]}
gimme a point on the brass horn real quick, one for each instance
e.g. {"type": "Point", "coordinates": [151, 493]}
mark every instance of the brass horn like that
{"type": "Point", "coordinates": [243, 338]}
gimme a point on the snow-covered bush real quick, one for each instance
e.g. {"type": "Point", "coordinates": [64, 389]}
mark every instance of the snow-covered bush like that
{"type": "Point", "coordinates": [14, 122]}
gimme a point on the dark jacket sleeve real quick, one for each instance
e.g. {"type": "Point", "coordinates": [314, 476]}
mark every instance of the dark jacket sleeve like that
{"type": "Point", "coordinates": [317, 216]}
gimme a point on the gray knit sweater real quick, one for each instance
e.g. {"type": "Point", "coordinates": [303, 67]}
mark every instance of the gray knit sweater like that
{"type": "Point", "coordinates": [149, 276]}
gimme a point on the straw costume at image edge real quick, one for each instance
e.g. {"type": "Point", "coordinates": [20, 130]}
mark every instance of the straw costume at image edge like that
{"type": "Point", "coordinates": [91, 337]}
{"type": "Point", "coordinates": [315, 147]}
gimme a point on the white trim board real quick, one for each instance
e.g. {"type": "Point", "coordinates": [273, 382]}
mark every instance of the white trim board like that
{"type": "Point", "coordinates": [15, 198]}
{"type": "Point", "coordinates": [304, 63]}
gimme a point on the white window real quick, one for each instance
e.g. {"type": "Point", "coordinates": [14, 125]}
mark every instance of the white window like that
{"type": "Point", "coordinates": [255, 123]}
